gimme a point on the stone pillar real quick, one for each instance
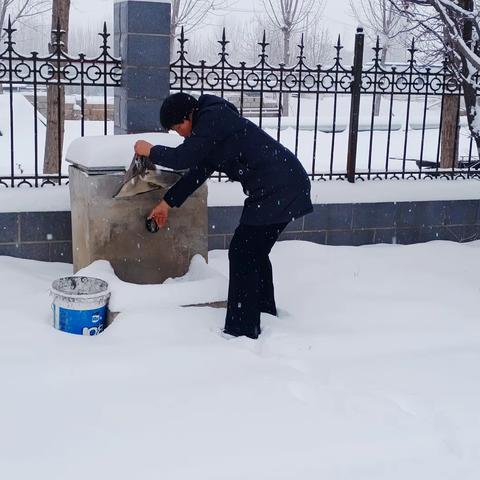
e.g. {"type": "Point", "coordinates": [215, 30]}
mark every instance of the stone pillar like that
{"type": "Point", "coordinates": [142, 41]}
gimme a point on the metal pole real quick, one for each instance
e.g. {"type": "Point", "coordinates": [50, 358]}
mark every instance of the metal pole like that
{"type": "Point", "coordinates": [355, 105]}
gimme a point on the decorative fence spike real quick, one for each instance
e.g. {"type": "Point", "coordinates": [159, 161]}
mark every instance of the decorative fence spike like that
{"type": "Point", "coordinates": [245, 82]}
{"type": "Point", "coordinates": [55, 68]}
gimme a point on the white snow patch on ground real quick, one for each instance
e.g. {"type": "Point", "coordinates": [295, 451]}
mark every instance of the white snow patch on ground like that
{"type": "Point", "coordinates": [201, 284]}
{"type": "Point", "coordinates": [371, 372]}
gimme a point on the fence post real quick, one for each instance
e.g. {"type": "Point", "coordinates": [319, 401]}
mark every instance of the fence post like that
{"type": "Point", "coordinates": [355, 105]}
{"type": "Point", "coordinates": [142, 40]}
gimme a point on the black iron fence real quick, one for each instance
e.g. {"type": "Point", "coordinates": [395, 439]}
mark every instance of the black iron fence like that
{"type": "Point", "coordinates": [366, 121]}
{"type": "Point", "coordinates": [24, 80]}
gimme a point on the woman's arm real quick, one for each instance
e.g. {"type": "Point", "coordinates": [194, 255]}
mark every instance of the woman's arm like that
{"type": "Point", "coordinates": [192, 180]}
{"type": "Point", "coordinates": [190, 153]}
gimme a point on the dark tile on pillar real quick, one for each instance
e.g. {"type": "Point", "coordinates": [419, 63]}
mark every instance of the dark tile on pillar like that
{"type": "Point", "coordinates": [141, 116]}
{"type": "Point", "coordinates": [61, 252]}
{"type": "Point", "coordinates": [116, 45]}
{"type": "Point", "coordinates": [143, 82]}
{"type": "Point", "coordinates": [223, 220]}
{"type": "Point", "coordinates": [419, 214]}
{"type": "Point", "coordinates": [374, 215]}
{"type": "Point", "coordinates": [145, 50]}
{"type": "Point", "coordinates": [118, 24]}
{"type": "Point", "coordinates": [148, 17]}
{"type": "Point", "coordinates": [216, 242]}
{"type": "Point", "coordinates": [120, 115]}
{"type": "Point", "coordinates": [461, 212]}
{"type": "Point", "coordinates": [329, 217]}
{"type": "Point", "coordinates": [44, 226]}
{"type": "Point", "coordinates": [8, 227]}
{"type": "Point", "coordinates": [350, 237]}
{"type": "Point", "coordinates": [120, 93]}
{"type": "Point", "coordinates": [120, 17]}
{"type": "Point", "coordinates": [122, 47]}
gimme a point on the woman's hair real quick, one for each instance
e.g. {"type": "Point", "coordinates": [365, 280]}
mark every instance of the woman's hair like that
{"type": "Point", "coordinates": [176, 108]}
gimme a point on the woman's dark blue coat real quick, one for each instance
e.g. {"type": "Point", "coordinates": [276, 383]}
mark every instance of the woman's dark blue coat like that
{"type": "Point", "coordinates": [274, 180]}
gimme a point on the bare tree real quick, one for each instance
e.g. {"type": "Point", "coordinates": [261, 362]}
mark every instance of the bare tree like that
{"type": "Point", "coordinates": [289, 16]}
{"type": "Point", "coordinates": [318, 44]}
{"type": "Point", "coordinates": [455, 25]}
{"type": "Point", "coordinates": [245, 42]}
{"type": "Point", "coordinates": [19, 10]}
{"type": "Point", "coordinates": [85, 38]}
{"type": "Point", "coordinates": [56, 93]}
{"type": "Point", "coordinates": [189, 14]}
{"type": "Point", "coordinates": [382, 20]}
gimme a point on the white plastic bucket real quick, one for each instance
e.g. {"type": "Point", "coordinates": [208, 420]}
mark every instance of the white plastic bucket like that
{"type": "Point", "coordinates": [80, 305]}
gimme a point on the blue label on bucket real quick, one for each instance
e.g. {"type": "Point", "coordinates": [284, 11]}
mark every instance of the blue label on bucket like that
{"type": "Point", "coordinates": [82, 322]}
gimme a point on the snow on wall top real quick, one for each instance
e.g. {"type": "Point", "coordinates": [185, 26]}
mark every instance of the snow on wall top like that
{"type": "Point", "coordinates": [223, 194]}
{"type": "Point", "coordinates": [113, 152]}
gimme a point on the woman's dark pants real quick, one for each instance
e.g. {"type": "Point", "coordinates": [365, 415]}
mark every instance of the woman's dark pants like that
{"type": "Point", "coordinates": [250, 289]}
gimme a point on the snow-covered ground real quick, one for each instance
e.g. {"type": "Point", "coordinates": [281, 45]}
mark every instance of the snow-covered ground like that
{"type": "Point", "coordinates": [370, 373]}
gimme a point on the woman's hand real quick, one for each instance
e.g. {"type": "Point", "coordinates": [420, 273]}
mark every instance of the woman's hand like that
{"type": "Point", "coordinates": [142, 148]}
{"type": "Point", "coordinates": [160, 213]}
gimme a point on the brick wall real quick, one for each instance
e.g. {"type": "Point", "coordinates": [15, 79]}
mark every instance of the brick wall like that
{"type": "Point", "coordinates": [367, 223]}
{"type": "Point", "coordinates": [47, 235]}
{"type": "Point", "coordinates": [37, 235]}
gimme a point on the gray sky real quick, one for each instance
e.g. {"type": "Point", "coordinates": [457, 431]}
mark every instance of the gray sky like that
{"type": "Point", "coordinates": [337, 17]}
{"type": "Point", "coordinates": [87, 16]}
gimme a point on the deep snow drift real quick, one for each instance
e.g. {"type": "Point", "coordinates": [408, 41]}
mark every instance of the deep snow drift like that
{"type": "Point", "coordinates": [371, 372]}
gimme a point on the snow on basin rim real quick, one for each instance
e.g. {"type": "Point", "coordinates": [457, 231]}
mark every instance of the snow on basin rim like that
{"type": "Point", "coordinates": [368, 373]}
{"type": "Point", "coordinates": [113, 151]}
